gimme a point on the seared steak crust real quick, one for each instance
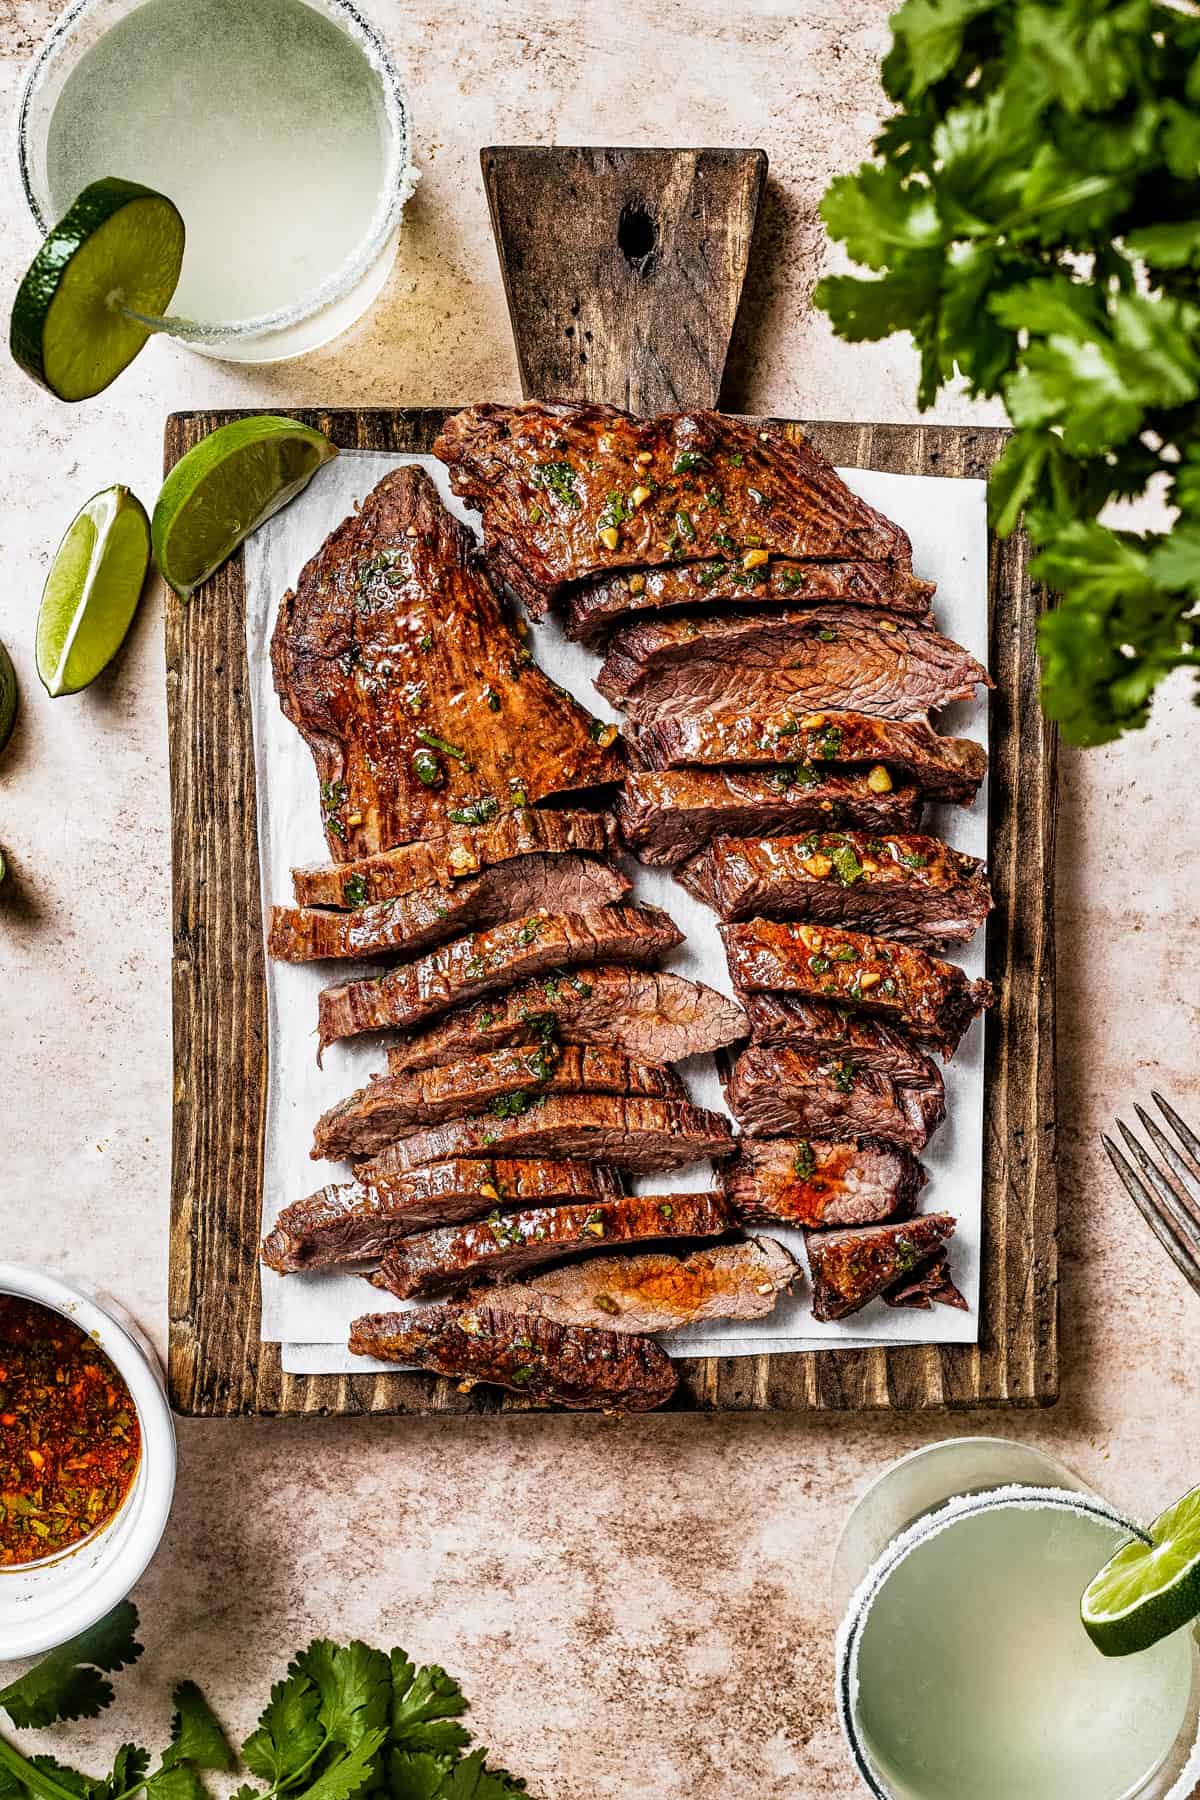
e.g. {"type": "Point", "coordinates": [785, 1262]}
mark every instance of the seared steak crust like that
{"type": "Point", "coordinates": [815, 1182]}
{"type": "Point", "coordinates": [836, 1033]}
{"type": "Point", "coordinates": [851, 1267]}
{"type": "Point", "coordinates": [929, 1286]}
{"type": "Point", "coordinates": [783, 1093]}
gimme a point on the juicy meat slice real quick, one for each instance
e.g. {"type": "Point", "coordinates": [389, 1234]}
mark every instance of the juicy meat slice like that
{"type": "Point", "coordinates": [493, 1249]}
{"type": "Point", "coordinates": [653, 1290]}
{"type": "Point", "coordinates": [909, 887]}
{"type": "Point", "coordinates": [392, 639]}
{"type": "Point", "coordinates": [944, 768]}
{"type": "Point", "coordinates": [853, 1266]}
{"type": "Point", "coordinates": [668, 814]}
{"type": "Point", "coordinates": [646, 1013]}
{"type": "Point", "coordinates": [505, 1081]}
{"type": "Point", "coordinates": [836, 1033]}
{"type": "Point", "coordinates": [783, 1093]}
{"type": "Point", "coordinates": [417, 921]}
{"type": "Point", "coordinates": [815, 1182]}
{"type": "Point", "coordinates": [463, 851]}
{"type": "Point", "coordinates": [928, 1286]}
{"type": "Point", "coordinates": [487, 960]}
{"type": "Point", "coordinates": [550, 481]}
{"type": "Point", "coordinates": [819, 962]}
{"type": "Point", "coordinates": [557, 1364]}
{"type": "Point", "coordinates": [630, 1133]}
{"type": "Point", "coordinates": [802, 658]}
{"type": "Point", "coordinates": [356, 1220]}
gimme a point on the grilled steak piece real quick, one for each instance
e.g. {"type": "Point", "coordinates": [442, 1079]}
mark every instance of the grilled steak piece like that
{"type": "Point", "coordinates": [928, 1287]}
{"type": "Point", "coordinates": [650, 1015]}
{"type": "Point", "coordinates": [915, 888]}
{"type": "Point", "coordinates": [487, 960]}
{"type": "Point", "coordinates": [851, 1267]}
{"type": "Point", "coordinates": [944, 768]}
{"type": "Point", "coordinates": [836, 1033]}
{"type": "Point", "coordinates": [596, 606]}
{"type": "Point", "coordinates": [666, 815]}
{"type": "Point", "coordinates": [814, 1182]}
{"type": "Point", "coordinates": [783, 1093]}
{"type": "Point", "coordinates": [802, 658]}
{"type": "Point", "coordinates": [506, 1082]}
{"type": "Point", "coordinates": [358, 1220]}
{"type": "Point", "coordinates": [557, 1364]}
{"type": "Point", "coordinates": [463, 851]}
{"type": "Point", "coordinates": [932, 998]}
{"type": "Point", "coordinates": [394, 645]}
{"type": "Point", "coordinates": [653, 1290]}
{"type": "Point", "coordinates": [573, 492]}
{"type": "Point", "coordinates": [435, 1261]}
{"type": "Point", "coordinates": [609, 1128]}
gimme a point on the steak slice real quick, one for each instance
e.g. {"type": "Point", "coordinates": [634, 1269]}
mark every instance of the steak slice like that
{"type": "Point", "coordinates": [666, 815]}
{"type": "Point", "coordinates": [557, 1364]}
{"type": "Point", "coordinates": [509, 1243]}
{"type": "Point", "coordinates": [416, 991]}
{"type": "Point", "coordinates": [688, 664]}
{"type": "Point", "coordinates": [853, 1266]}
{"type": "Point", "coordinates": [652, 1290]}
{"type": "Point", "coordinates": [463, 851]}
{"type": "Point", "coordinates": [910, 887]}
{"type": "Point", "coordinates": [609, 1128]}
{"type": "Point", "coordinates": [646, 1013]}
{"type": "Point", "coordinates": [813, 1182]}
{"type": "Point", "coordinates": [836, 1033]}
{"type": "Point", "coordinates": [819, 962]}
{"type": "Point", "coordinates": [783, 1093]}
{"type": "Point", "coordinates": [358, 1220]}
{"type": "Point", "coordinates": [572, 492]}
{"type": "Point", "coordinates": [504, 1082]}
{"type": "Point", "coordinates": [944, 768]}
{"type": "Point", "coordinates": [417, 921]}
{"type": "Point", "coordinates": [929, 1286]}
{"type": "Point", "coordinates": [393, 643]}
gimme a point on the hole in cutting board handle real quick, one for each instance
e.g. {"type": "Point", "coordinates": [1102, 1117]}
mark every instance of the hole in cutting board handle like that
{"type": "Point", "coordinates": [637, 234]}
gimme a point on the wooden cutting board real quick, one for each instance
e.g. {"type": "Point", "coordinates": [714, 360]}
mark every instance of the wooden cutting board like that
{"type": "Point", "coordinates": [623, 271]}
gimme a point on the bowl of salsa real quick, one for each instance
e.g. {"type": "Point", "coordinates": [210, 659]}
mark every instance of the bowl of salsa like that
{"type": "Point", "coordinates": [87, 1458]}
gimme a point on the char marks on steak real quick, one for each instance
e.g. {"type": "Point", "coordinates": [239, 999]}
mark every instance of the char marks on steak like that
{"type": "Point", "coordinates": [851, 1267]}
{"type": "Point", "coordinates": [560, 1365]}
{"type": "Point", "coordinates": [820, 1182]}
{"type": "Point", "coordinates": [930, 1286]}
{"type": "Point", "coordinates": [667, 815]}
{"type": "Point", "coordinates": [392, 637]}
{"type": "Point", "coordinates": [550, 480]}
{"type": "Point", "coordinates": [836, 1033]}
{"type": "Point", "coordinates": [784, 1093]}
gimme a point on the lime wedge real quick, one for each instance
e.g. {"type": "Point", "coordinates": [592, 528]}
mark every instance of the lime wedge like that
{"type": "Point", "coordinates": [119, 246]}
{"type": "Point", "coordinates": [92, 590]}
{"type": "Point", "coordinates": [1147, 1591]}
{"type": "Point", "coordinates": [8, 696]}
{"type": "Point", "coordinates": [225, 487]}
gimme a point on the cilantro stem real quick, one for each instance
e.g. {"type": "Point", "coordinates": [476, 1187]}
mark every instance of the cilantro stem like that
{"type": "Point", "coordinates": [38, 1781]}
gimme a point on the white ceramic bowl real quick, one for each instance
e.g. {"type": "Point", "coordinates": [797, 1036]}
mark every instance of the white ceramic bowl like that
{"type": "Point", "coordinates": [46, 1603]}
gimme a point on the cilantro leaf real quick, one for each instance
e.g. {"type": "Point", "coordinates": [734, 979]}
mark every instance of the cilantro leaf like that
{"type": "Point", "coordinates": [425, 1704]}
{"type": "Point", "coordinates": [289, 1733]}
{"type": "Point", "coordinates": [67, 1684]}
{"type": "Point", "coordinates": [355, 1687]}
{"type": "Point", "coordinates": [196, 1735]}
{"type": "Point", "coordinates": [353, 1770]}
{"type": "Point", "coordinates": [41, 1777]}
{"type": "Point", "coordinates": [128, 1771]}
{"type": "Point", "coordinates": [417, 1775]}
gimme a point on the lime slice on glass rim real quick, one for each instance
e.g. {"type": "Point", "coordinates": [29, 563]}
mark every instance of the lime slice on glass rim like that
{"type": "Point", "coordinates": [117, 252]}
{"type": "Point", "coordinates": [92, 590]}
{"type": "Point", "coordinates": [1148, 1590]}
{"type": "Point", "coordinates": [225, 487]}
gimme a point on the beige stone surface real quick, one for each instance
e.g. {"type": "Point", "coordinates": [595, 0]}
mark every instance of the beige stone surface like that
{"type": "Point", "coordinates": [639, 1609]}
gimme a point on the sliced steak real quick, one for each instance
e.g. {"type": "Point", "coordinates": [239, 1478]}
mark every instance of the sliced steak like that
{"type": "Point", "coordinates": [783, 1093]}
{"type": "Point", "coordinates": [359, 1220]}
{"type": "Point", "coordinates": [569, 493]}
{"type": "Point", "coordinates": [503, 1082]}
{"type": "Point", "coordinates": [929, 1286]}
{"type": "Point", "coordinates": [836, 1033]}
{"type": "Point", "coordinates": [508, 1243]}
{"type": "Point", "coordinates": [668, 814]}
{"type": "Point", "coordinates": [908, 987]}
{"type": "Point", "coordinates": [814, 1182]}
{"type": "Point", "coordinates": [650, 1015]}
{"type": "Point", "coordinates": [915, 888]}
{"type": "Point", "coordinates": [480, 964]}
{"type": "Point", "coordinates": [851, 1267]}
{"type": "Point", "coordinates": [558, 1365]}
{"type": "Point", "coordinates": [392, 647]}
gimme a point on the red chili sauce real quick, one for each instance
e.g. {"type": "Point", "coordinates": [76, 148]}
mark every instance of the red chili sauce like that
{"type": "Point", "coordinates": [69, 1433]}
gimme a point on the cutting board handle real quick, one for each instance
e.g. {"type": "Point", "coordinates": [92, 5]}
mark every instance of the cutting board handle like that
{"type": "Point", "coordinates": [623, 268]}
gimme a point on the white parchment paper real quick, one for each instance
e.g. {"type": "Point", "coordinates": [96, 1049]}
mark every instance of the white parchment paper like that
{"type": "Point", "coordinates": [310, 1314]}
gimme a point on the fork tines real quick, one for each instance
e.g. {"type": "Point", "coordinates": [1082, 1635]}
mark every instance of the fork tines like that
{"type": "Point", "coordinates": [1168, 1197]}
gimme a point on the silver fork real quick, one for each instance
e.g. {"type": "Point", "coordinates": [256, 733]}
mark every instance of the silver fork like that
{"type": "Point", "coordinates": [1168, 1199]}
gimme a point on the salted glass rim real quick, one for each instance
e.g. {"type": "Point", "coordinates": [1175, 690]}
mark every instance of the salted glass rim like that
{"type": "Point", "coordinates": [395, 188]}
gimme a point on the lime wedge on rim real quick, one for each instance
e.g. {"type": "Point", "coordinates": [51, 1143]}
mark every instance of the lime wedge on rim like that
{"type": "Point", "coordinates": [1147, 1591]}
{"type": "Point", "coordinates": [92, 590]}
{"type": "Point", "coordinates": [120, 246]}
{"type": "Point", "coordinates": [8, 696]}
{"type": "Point", "coordinates": [225, 487]}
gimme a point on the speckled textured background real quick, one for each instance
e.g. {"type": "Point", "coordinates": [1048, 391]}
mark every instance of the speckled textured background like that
{"type": "Point", "coordinates": [639, 1608]}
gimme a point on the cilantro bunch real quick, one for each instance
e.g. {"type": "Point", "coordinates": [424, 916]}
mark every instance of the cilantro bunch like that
{"type": "Point", "coordinates": [347, 1720]}
{"type": "Point", "coordinates": [1033, 216]}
